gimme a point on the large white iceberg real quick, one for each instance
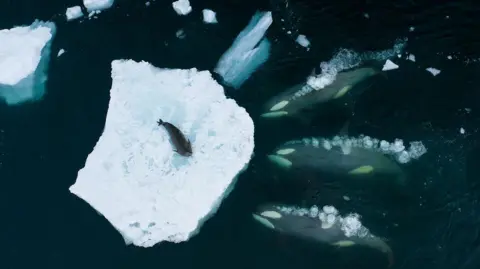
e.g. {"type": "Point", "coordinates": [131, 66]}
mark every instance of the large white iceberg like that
{"type": "Point", "coordinates": [24, 58]}
{"type": "Point", "coordinates": [249, 50]}
{"type": "Point", "coordinates": [133, 177]}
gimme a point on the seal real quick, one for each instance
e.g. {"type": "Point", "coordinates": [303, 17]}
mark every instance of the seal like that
{"type": "Point", "coordinates": [180, 142]}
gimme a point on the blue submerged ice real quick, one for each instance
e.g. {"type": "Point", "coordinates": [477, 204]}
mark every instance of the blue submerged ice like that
{"type": "Point", "coordinates": [248, 52]}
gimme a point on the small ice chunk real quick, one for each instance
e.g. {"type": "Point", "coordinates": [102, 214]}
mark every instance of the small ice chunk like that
{"type": "Point", "coordinates": [462, 131]}
{"type": "Point", "coordinates": [411, 57]}
{"type": "Point", "coordinates": [73, 13]}
{"type": "Point", "coordinates": [303, 41]}
{"type": "Point", "coordinates": [182, 7]}
{"type": "Point", "coordinates": [60, 52]}
{"type": "Point", "coordinates": [449, 57]}
{"type": "Point", "coordinates": [411, 29]}
{"type": "Point", "coordinates": [433, 71]}
{"type": "Point", "coordinates": [209, 16]}
{"type": "Point", "coordinates": [249, 50]}
{"type": "Point", "coordinates": [389, 65]}
{"type": "Point", "coordinates": [24, 57]}
{"type": "Point", "coordinates": [180, 34]}
{"type": "Point", "coordinates": [93, 5]}
{"type": "Point", "coordinates": [133, 176]}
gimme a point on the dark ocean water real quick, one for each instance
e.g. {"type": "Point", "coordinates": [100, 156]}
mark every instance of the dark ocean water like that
{"type": "Point", "coordinates": [437, 225]}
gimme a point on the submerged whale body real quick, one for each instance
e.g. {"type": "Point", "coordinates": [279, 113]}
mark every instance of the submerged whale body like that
{"type": "Point", "coordinates": [320, 155]}
{"type": "Point", "coordinates": [304, 96]}
{"type": "Point", "coordinates": [325, 228]}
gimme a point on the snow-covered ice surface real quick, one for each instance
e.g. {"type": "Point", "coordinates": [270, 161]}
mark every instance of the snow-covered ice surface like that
{"type": "Point", "coordinates": [209, 16]}
{"type": "Point", "coordinates": [389, 65]}
{"type": "Point", "coordinates": [249, 50]}
{"type": "Point", "coordinates": [73, 13]}
{"type": "Point", "coordinates": [149, 193]}
{"type": "Point", "coordinates": [24, 58]}
{"type": "Point", "coordinates": [93, 5]}
{"type": "Point", "coordinates": [182, 7]}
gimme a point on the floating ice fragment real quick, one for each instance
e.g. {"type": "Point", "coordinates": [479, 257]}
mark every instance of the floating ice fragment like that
{"type": "Point", "coordinates": [73, 13]}
{"type": "Point", "coordinates": [93, 5]}
{"type": "Point", "coordinates": [182, 7]}
{"type": "Point", "coordinates": [411, 57]}
{"type": "Point", "coordinates": [433, 71]}
{"type": "Point", "coordinates": [25, 54]}
{"type": "Point", "coordinates": [249, 50]}
{"type": "Point", "coordinates": [389, 65]}
{"type": "Point", "coordinates": [180, 34]}
{"type": "Point", "coordinates": [303, 41]}
{"type": "Point", "coordinates": [134, 176]}
{"type": "Point", "coordinates": [60, 52]}
{"type": "Point", "coordinates": [209, 16]}
{"type": "Point", "coordinates": [462, 131]}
